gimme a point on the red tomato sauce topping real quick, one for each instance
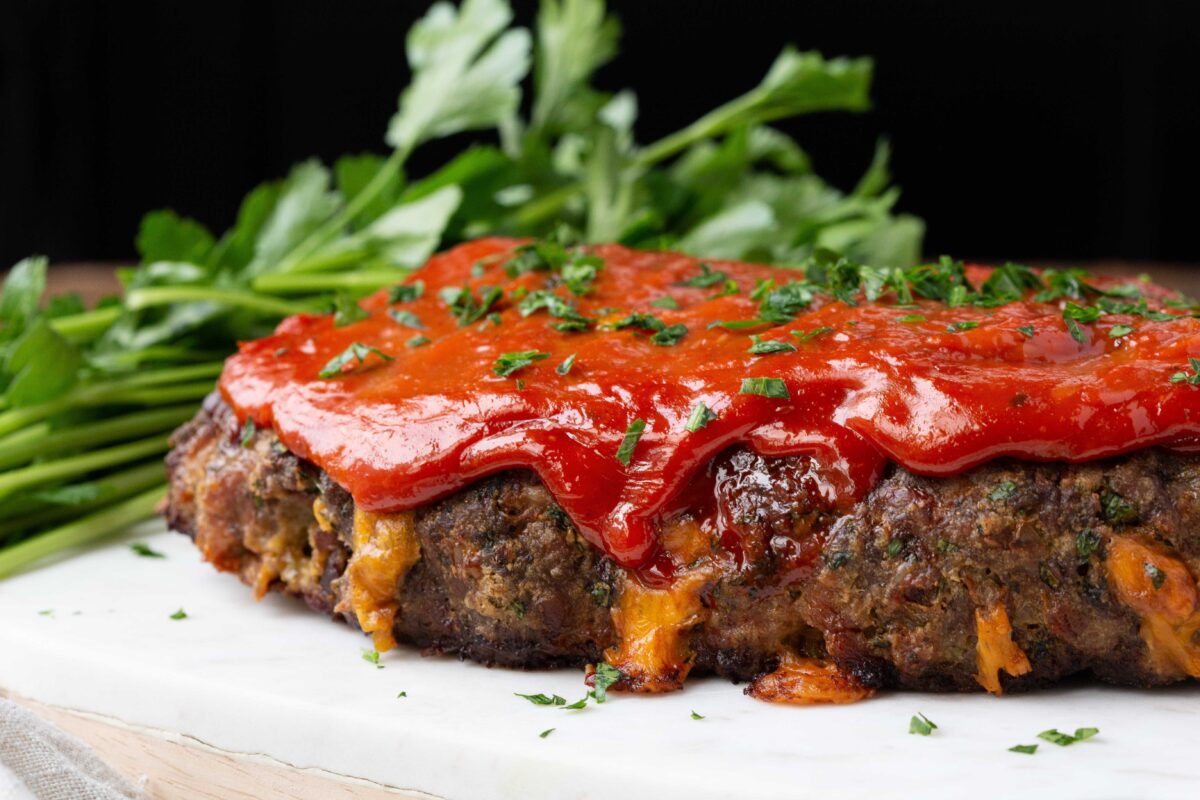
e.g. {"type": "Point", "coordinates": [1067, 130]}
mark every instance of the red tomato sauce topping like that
{"type": "Point", "coordinates": [934, 388]}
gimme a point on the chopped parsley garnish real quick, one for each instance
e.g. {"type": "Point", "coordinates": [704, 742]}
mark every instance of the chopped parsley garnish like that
{"type": "Point", "coordinates": [356, 351]}
{"type": "Point", "coordinates": [418, 340]}
{"type": "Point", "coordinates": [697, 716]}
{"type": "Point", "coordinates": [406, 292]}
{"type": "Point", "coordinates": [579, 272]}
{"type": "Point", "coordinates": [814, 333]}
{"type": "Point", "coordinates": [346, 310]}
{"type": "Point", "coordinates": [1074, 314]}
{"type": "Point", "coordinates": [765, 387]}
{"type": "Point", "coordinates": [463, 305]}
{"type": "Point", "coordinates": [737, 324]}
{"type": "Point", "coordinates": [965, 325]}
{"type": "Point", "coordinates": [1003, 490]}
{"type": "Point", "coordinates": [1064, 739]}
{"type": "Point", "coordinates": [921, 725]}
{"type": "Point", "coordinates": [542, 700]}
{"type": "Point", "coordinates": [565, 367]}
{"type": "Point", "coordinates": [248, 432]}
{"type": "Point", "coordinates": [761, 287]}
{"type": "Point", "coordinates": [894, 546]}
{"type": "Point", "coordinates": [908, 318]}
{"type": "Point", "coordinates": [546, 733]}
{"type": "Point", "coordinates": [508, 363]}
{"type": "Point", "coordinates": [1027, 331]}
{"type": "Point", "coordinates": [699, 418]}
{"type": "Point", "coordinates": [1117, 331]}
{"type": "Point", "coordinates": [578, 704]}
{"type": "Point", "coordinates": [666, 301]}
{"type": "Point", "coordinates": [606, 676]}
{"type": "Point", "coordinates": [640, 320]}
{"type": "Point", "coordinates": [1155, 574]}
{"type": "Point", "coordinates": [762, 347]}
{"type": "Point", "coordinates": [946, 546]}
{"type": "Point", "coordinates": [555, 306]}
{"type": "Point", "coordinates": [1086, 543]}
{"type": "Point", "coordinates": [670, 335]}
{"type": "Point", "coordinates": [372, 657]}
{"type": "Point", "coordinates": [1027, 749]}
{"type": "Point", "coordinates": [180, 614]}
{"type": "Point", "coordinates": [1183, 377]}
{"type": "Point", "coordinates": [632, 434]}
{"type": "Point", "coordinates": [144, 550]}
{"type": "Point", "coordinates": [406, 318]}
{"type": "Point", "coordinates": [729, 288]}
{"type": "Point", "coordinates": [707, 277]}
{"type": "Point", "coordinates": [1115, 509]}
{"type": "Point", "coordinates": [783, 303]}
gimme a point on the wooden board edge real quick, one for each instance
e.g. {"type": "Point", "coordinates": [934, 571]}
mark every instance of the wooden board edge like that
{"type": "Point", "coordinates": [171, 766]}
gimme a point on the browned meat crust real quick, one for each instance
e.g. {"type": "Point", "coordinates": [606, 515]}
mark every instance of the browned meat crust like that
{"type": "Point", "coordinates": [505, 579]}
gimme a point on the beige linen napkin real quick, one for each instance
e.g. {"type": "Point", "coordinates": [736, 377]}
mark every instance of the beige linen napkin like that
{"type": "Point", "coordinates": [39, 761]}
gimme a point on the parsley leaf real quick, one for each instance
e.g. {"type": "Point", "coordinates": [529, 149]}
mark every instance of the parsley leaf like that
{"type": "Point", "coordinates": [356, 351]}
{"type": "Point", "coordinates": [1027, 749]}
{"type": "Point", "coordinates": [762, 347]}
{"type": "Point", "coordinates": [605, 677]}
{"type": "Point", "coordinates": [543, 700]}
{"type": "Point", "coordinates": [546, 733]}
{"type": "Point", "coordinates": [697, 716]}
{"type": "Point", "coordinates": [1064, 739]}
{"type": "Point", "coordinates": [406, 292]}
{"type": "Point", "coordinates": [632, 434]}
{"type": "Point", "coordinates": [565, 367]}
{"type": "Point", "coordinates": [699, 418]}
{"type": "Point", "coordinates": [765, 387]}
{"type": "Point", "coordinates": [144, 550]}
{"type": "Point", "coordinates": [406, 318]}
{"type": "Point", "coordinates": [670, 335]}
{"type": "Point", "coordinates": [921, 725]}
{"type": "Point", "coordinates": [707, 277]}
{"type": "Point", "coordinates": [180, 614]}
{"type": "Point", "coordinates": [347, 311]}
{"type": "Point", "coordinates": [508, 363]}
{"type": "Point", "coordinates": [666, 301]}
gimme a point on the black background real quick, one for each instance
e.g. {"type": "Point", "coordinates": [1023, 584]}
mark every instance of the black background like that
{"type": "Point", "coordinates": [1020, 129]}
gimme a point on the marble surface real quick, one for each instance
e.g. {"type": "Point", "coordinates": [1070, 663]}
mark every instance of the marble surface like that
{"type": "Point", "coordinates": [94, 633]}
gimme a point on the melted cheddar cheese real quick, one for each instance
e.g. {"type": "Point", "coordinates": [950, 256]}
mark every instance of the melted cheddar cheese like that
{"type": "Point", "coordinates": [807, 681]}
{"type": "Point", "coordinates": [995, 649]}
{"type": "Point", "coordinates": [385, 549]}
{"type": "Point", "coordinates": [1162, 592]}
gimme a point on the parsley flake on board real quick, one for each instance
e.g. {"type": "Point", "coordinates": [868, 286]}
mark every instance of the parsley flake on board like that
{"type": "Point", "coordinates": [144, 550]}
{"type": "Point", "coordinates": [765, 387]}
{"type": "Point", "coordinates": [697, 716]}
{"type": "Point", "coordinates": [542, 700]}
{"type": "Point", "coordinates": [546, 733]}
{"type": "Point", "coordinates": [180, 614]}
{"type": "Point", "coordinates": [356, 351]}
{"type": "Point", "coordinates": [632, 434]}
{"type": "Point", "coordinates": [699, 418]}
{"type": "Point", "coordinates": [401, 694]}
{"type": "Point", "coordinates": [1065, 739]}
{"type": "Point", "coordinates": [1027, 749]}
{"type": "Point", "coordinates": [508, 363]}
{"type": "Point", "coordinates": [606, 676]}
{"type": "Point", "coordinates": [371, 657]}
{"type": "Point", "coordinates": [921, 725]}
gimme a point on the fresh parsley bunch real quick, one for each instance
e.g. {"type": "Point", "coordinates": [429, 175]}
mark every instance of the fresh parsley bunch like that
{"type": "Point", "coordinates": [89, 396]}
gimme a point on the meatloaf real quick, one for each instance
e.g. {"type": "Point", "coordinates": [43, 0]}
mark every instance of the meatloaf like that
{"type": "Point", "coordinates": [1009, 576]}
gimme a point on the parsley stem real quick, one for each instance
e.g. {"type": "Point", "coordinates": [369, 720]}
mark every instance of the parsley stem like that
{"type": "Point", "coordinates": [26, 513]}
{"type": "Point", "coordinates": [95, 526]}
{"type": "Point", "coordinates": [294, 260]}
{"type": "Point", "coordinates": [365, 281]}
{"type": "Point", "coordinates": [87, 325]}
{"type": "Point", "coordinates": [15, 449]}
{"type": "Point", "coordinates": [74, 466]}
{"type": "Point", "coordinates": [155, 387]}
{"type": "Point", "coordinates": [138, 299]}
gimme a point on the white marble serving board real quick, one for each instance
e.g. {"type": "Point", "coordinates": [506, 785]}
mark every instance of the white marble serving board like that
{"type": "Point", "coordinates": [273, 678]}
